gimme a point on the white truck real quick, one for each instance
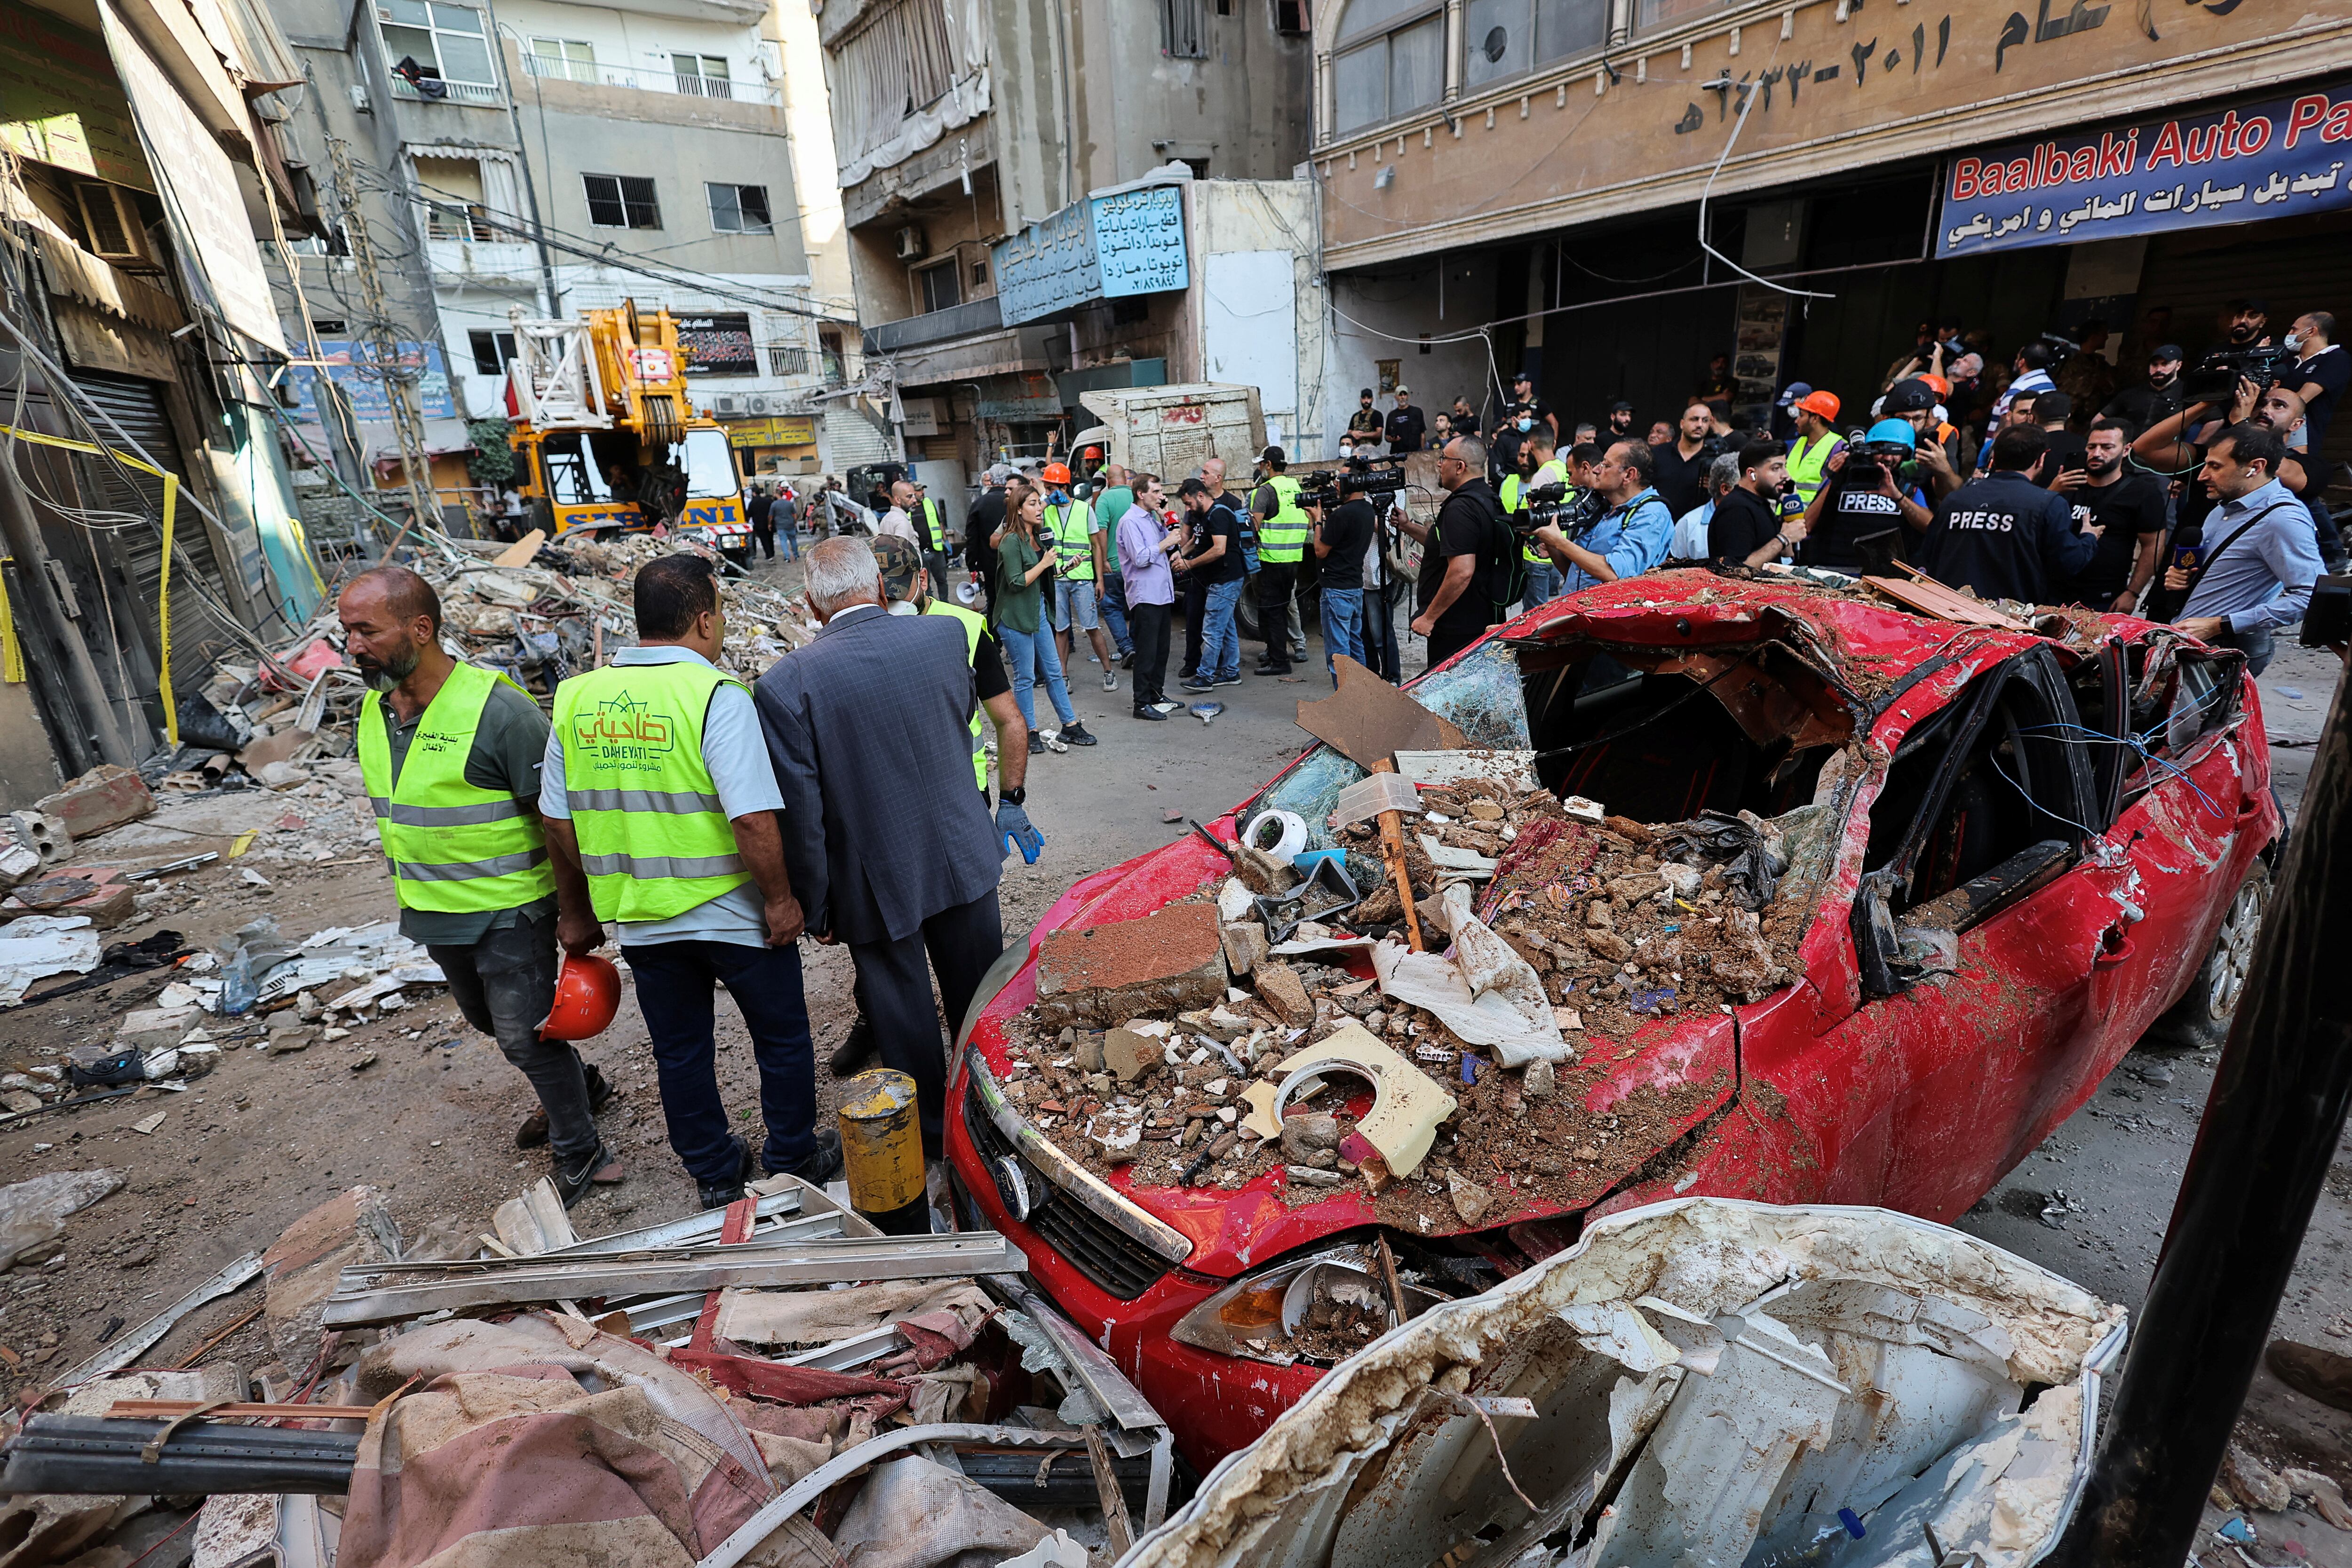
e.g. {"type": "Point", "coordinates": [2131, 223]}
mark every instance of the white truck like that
{"type": "Point", "coordinates": [1171, 430]}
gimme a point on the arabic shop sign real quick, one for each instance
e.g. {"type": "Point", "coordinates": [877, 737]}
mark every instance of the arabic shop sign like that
{"type": "Point", "coordinates": [2273, 159]}
{"type": "Point", "coordinates": [1106, 248]}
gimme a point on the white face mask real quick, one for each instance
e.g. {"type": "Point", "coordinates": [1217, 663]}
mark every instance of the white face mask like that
{"type": "Point", "coordinates": [901, 607]}
{"type": "Point", "coordinates": [2295, 340]}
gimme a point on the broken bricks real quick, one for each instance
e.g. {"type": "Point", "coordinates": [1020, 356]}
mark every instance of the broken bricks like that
{"type": "Point", "coordinates": [1172, 960]}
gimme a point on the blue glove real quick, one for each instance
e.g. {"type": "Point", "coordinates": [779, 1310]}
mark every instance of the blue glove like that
{"type": "Point", "coordinates": [1012, 823]}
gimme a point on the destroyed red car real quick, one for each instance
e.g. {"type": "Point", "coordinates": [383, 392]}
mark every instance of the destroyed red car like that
{"type": "Point", "coordinates": [2009, 855]}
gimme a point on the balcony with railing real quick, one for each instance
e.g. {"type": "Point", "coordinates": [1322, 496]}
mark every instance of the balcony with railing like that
{"type": "Point", "coordinates": [451, 92]}
{"type": "Point", "coordinates": [685, 83]}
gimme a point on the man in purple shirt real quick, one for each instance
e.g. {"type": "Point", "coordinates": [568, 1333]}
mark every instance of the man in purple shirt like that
{"type": "Point", "coordinates": [1144, 543]}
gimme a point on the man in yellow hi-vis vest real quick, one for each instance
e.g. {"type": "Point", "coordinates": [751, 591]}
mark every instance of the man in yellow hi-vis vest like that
{"type": "Point", "coordinates": [451, 752]}
{"type": "Point", "coordinates": [661, 815]}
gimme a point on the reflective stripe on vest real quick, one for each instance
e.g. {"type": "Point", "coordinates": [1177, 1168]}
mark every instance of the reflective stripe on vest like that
{"type": "Point", "coordinates": [454, 848]}
{"type": "Point", "coordinates": [1552, 473]}
{"type": "Point", "coordinates": [654, 837]}
{"type": "Point", "coordinates": [935, 528]}
{"type": "Point", "coordinates": [1808, 464]}
{"type": "Point", "coordinates": [1072, 525]}
{"type": "Point", "coordinates": [974, 625]}
{"type": "Point", "coordinates": [1282, 538]}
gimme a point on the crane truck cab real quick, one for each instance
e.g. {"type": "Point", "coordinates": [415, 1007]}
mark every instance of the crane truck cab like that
{"type": "Point", "coordinates": [606, 437]}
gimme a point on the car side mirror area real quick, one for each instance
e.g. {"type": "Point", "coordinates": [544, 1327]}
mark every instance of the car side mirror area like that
{"type": "Point", "coordinates": [1877, 945]}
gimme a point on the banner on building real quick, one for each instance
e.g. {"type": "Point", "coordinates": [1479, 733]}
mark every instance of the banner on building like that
{"type": "Point", "coordinates": [1106, 248]}
{"type": "Point", "coordinates": [718, 344]}
{"type": "Point", "coordinates": [2280, 158]}
{"type": "Point", "coordinates": [785, 430]}
{"type": "Point", "coordinates": [353, 367]}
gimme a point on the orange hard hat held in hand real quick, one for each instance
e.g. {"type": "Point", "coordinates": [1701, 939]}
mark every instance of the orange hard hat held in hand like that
{"type": "Point", "coordinates": [587, 997]}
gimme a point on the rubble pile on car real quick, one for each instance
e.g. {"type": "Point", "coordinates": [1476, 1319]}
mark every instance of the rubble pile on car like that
{"type": "Point", "coordinates": [688, 1392]}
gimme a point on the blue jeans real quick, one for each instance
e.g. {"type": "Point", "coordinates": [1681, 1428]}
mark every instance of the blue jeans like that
{"type": "Point", "coordinates": [788, 534]}
{"type": "Point", "coordinates": [1221, 638]}
{"type": "Point", "coordinates": [1543, 586]}
{"type": "Point", "coordinates": [1029, 657]}
{"type": "Point", "coordinates": [1343, 626]}
{"type": "Point", "coordinates": [674, 982]}
{"type": "Point", "coordinates": [1113, 603]}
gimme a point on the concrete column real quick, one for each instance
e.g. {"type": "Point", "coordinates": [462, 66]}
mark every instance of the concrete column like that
{"type": "Point", "coordinates": [1454, 51]}
{"type": "Point", "coordinates": [1327, 100]}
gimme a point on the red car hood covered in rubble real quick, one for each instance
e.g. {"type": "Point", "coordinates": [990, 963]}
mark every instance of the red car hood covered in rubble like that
{"type": "Point", "coordinates": [1869, 651]}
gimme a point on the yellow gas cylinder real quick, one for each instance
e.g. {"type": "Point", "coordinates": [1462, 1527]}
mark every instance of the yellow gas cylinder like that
{"type": "Point", "coordinates": [882, 1150]}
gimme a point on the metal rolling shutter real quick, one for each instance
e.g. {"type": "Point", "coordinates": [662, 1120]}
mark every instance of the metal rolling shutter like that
{"type": "Point", "coordinates": [199, 635]}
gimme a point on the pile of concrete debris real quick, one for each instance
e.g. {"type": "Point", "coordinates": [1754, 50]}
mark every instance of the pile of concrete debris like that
{"type": "Point", "coordinates": [778, 1383]}
{"type": "Point", "coordinates": [1569, 939]}
{"type": "Point", "coordinates": [538, 613]}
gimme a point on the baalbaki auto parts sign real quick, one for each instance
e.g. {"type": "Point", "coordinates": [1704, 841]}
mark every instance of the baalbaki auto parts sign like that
{"type": "Point", "coordinates": [2282, 157]}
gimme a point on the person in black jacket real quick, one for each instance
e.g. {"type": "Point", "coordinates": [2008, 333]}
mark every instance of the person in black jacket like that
{"type": "Point", "coordinates": [2004, 536]}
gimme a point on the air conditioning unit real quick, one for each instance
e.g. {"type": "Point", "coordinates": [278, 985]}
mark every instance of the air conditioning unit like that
{"type": "Point", "coordinates": [910, 243]}
{"type": "Point", "coordinates": [760, 403]}
{"type": "Point", "coordinates": [110, 215]}
{"type": "Point", "coordinates": [727, 404]}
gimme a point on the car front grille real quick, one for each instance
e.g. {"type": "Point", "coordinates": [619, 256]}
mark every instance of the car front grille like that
{"type": "Point", "coordinates": [1113, 1262]}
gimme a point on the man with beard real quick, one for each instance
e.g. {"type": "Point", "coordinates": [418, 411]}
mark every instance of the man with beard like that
{"type": "Point", "coordinates": [2157, 398]}
{"type": "Point", "coordinates": [451, 754]}
{"type": "Point", "coordinates": [2127, 510]}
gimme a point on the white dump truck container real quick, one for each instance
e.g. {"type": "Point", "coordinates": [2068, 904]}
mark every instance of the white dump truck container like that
{"type": "Point", "coordinates": [1171, 430]}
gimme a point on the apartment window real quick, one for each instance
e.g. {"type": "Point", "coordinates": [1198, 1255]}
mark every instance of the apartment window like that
{"type": "Point", "coordinates": [568, 59]}
{"type": "Point", "coordinates": [1389, 59]}
{"type": "Point", "coordinates": [1184, 30]}
{"type": "Point", "coordinates": [1507, 37]}
{"type": "Point", "coordinates": [621, 201]}
{"type": "Point", "coordinates": [902, 59]}
{"type": "Point", "coordinates": [980, 272]}
{"type": "Point", "coordinates": [446, 41]}
{"type": "Point", "coordinates": [704, 76]}
{"type": "Point", "coordinates": [740, 209]}
{"type": "Point", "coordinates": [1225, 7]}
{"type": "Point", "coordinates": [1289, 15]}
{"type": "Point", "coordinates": [938, 287]}
{"type": "Point", "coordinates": [492, 350]}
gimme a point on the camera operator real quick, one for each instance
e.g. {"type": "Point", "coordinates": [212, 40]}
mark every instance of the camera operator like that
{"type": "Point", "coordinates": [1748, 528]}
{"type": "Point", "coordinates": [2176, 447]}
{"type": "Point", "coordinates": [2005, 536]}
{"type": "Point", "coordinates": [1539, 467]}
{"type": "Point", "coordinates": [2156, 399]}
{"type": "Point", "coordinates": [1916, 403]}
{"type": "Point", "coordinates": [1631, 536]}
{"type": "Point", "coordinates": [2258, 578]}
{"type": "Point", "coordinates": [1682, 463]}
{"type": "Point", "coordinates": [2126, 512]}
{"type": "Point", "coordinates": [2250, 324]}
{"type": "Point", "coordinates": [1863, 496]}
{"type": "Point", "coordinates": [1454, 600]}
{"type": "Point", "coordinates": [1339, 541]}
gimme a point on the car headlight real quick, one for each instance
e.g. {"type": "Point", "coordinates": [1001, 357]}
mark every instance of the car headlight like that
{"type": "Point", "coordinates": [1321, 1307]}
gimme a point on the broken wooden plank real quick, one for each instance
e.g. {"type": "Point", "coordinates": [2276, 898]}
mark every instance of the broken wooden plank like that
{"type": "Point", "coordinates": [1368, 721]}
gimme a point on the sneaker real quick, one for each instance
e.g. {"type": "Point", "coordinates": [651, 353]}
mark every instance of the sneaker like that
{"type": "Point", "coordinates": [1232, 679]}
{"type": "Point", "coordinates": [534, 1130]}
{"type": "Point", "coordinates": [719, 1194]}
{"type": "Point", "coordinates": [1050, 739]}
{"type": "Point", "coordinates": [1076, 734]}
{"type": "Point", "coordinates": [1126, 659]}
{"type": "Point", "coordinates": [825, 1165]}
{"type": "Point", "coordinates": [1199, 685]}
{"type": "Point", "coordinates": [857, 1048]}
{"type": "Point", "coordinates": [1110, 680]}
{"type": "Point", "coordinates": [601, 1168]}
{"type": "Point", "coordinates": [1152, 713]}
{"type": "Point", "coordinates": [1037, 745]}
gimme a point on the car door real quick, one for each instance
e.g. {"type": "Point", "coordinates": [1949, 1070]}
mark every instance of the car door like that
{"type": "Point", "coordinates": [1978, 924]}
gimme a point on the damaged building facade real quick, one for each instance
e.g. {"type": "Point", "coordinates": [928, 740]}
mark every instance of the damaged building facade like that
{"type": "Point", "coordinates": [150, 524]}
{"type": "Point", "coordinates": [1064, 199]}
{"type": "Point", "coordinates": [1530, 174]}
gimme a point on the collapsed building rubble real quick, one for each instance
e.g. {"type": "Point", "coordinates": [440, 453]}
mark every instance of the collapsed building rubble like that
{"type": "Point", "coordinates": [686, 1393]}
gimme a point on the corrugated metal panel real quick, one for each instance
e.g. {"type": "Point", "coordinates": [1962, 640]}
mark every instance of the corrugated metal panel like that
{"type": "Point", "coordinates": [199, 633]}
{"type": "Point", "coordinates": [851, 440]}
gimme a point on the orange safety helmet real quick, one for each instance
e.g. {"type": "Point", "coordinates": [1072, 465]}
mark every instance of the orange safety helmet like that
{"type": "Point", "coordinates": [1057, 473]}
{"type": "Point", "coordinates": [1943, 388]}
{"type": "Point", "coordinates": [1822, 404]}
{"type": "Point", "coordinates": [587, 996]}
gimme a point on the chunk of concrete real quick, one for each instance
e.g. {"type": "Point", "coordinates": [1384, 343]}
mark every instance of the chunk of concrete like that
{"type": "Point", "coordinates": [1170, 962]}
{"type": "Point", "coordinates": [17, 863]}
{"type": "Point", "coordinates": [1279, 987]}
{"type": "Point", "coordinates": [299, 1269]}
{"type": "Point", "coordinates": [1129, 1055]}
{"type": "Point", "coordinates": [1246, 946]}
{"type": "Point", "coordinates": [154, 1028]}
{"type": "Point", "coordinates": [106, 796]}
{"type": "Point", "coordinates": [1304, 1137]}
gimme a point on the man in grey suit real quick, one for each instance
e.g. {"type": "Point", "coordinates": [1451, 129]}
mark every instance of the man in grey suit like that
{"type": "Point", "coordinates": [888, 845]}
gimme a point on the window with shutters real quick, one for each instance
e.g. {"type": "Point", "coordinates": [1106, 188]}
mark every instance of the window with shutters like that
{"type": "Point", "coordinates": [899, 60]}
{"type": "Point", "coordinates": [1184, 30]}
{"type": "Point", "coordinates": [621, 201]}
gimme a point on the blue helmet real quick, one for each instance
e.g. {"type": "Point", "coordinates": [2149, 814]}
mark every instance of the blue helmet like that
{"type": "Point", "coordinates": [1893, 430]}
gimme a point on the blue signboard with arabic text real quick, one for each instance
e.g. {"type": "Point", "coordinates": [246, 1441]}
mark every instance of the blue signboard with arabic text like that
{"type": "Point", "coordinates": [2285, 157]}
{"type": "Point", "coordinates": [1106, 248]}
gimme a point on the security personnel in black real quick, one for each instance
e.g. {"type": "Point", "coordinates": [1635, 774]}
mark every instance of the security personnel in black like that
{"type": "Point", "coordinates": [2004, 536]}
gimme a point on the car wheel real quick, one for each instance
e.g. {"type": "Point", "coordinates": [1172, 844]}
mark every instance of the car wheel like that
{"type": "Point", "coordinates": [1245, 612]}
{"type": "Point", "coordinates": [2201, 1019]}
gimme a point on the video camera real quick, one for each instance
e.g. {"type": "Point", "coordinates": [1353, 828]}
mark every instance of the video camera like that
{"type": "Point", "coordinates": [1867, 461]}
{"type": "Point", "coordinates": [2215, 377]}
{"type": "Point", "coordinates": [1359, 478]}
{"type": "Point", "coordinates": [1550, 505]}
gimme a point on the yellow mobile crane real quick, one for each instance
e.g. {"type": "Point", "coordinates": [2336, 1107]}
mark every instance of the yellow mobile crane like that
{"type": "Point", "coordinates": [607, 438]}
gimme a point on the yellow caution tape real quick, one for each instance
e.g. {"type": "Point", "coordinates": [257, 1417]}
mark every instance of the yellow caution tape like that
{"type": "Point", "coordinates": [15, 660]}
{"type": "Point", "coordinates": [12, 652]}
